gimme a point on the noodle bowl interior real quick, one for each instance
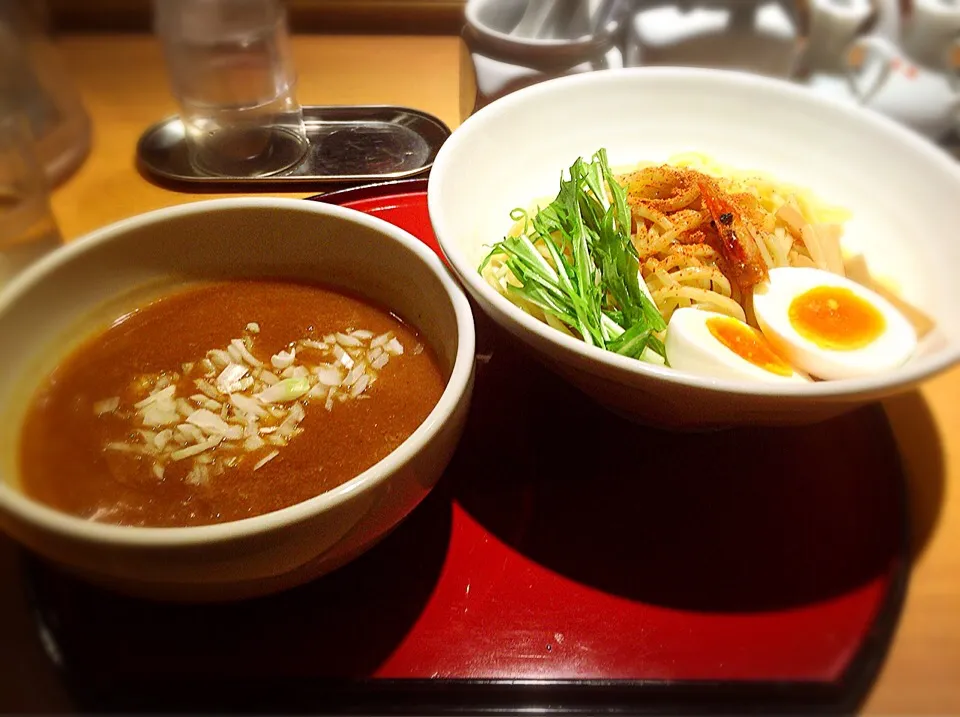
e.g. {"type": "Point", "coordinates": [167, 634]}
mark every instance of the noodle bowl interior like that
{"type": "Point", "coordinates": [644, 262]}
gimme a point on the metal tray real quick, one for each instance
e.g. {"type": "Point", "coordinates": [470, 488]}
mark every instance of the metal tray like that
{"type": "Point", "coordinates": [347, 144]}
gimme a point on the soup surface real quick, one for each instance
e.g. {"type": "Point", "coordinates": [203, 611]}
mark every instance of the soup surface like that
{"type": "Point", "coordinates": [224, 401]}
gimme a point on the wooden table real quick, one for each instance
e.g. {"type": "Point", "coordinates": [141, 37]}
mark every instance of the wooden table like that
{"type": "Point", "coordinates": [124, 86]}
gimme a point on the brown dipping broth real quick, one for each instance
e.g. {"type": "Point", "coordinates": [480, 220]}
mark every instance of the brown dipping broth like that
{"type": "Point", "coordinates": [63, 462]}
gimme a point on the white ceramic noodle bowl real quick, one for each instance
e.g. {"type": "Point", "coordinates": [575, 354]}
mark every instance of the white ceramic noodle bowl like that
{"type": "Point", "coordinates": [230, 238]}
{"type": "Point", "coordinates": [900, 189]}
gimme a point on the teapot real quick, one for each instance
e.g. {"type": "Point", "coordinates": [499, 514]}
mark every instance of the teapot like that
{"type": "Point", "coordinates": [926, 98]}
{"type": "Point", "coordinates": [929, 29]}
{"type": "Point", "coordinates": [905, 69]}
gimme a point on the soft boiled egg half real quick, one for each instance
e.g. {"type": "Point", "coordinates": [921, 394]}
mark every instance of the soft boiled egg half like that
{"type": "Point", "coordinates": [717, 345]}
{"type": "Point", "coordinates": [829, 326]}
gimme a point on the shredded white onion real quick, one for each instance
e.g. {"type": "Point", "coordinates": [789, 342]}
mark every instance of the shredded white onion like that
{"type": "Point", "coordinates": [208, 422]}
{"type": "Point", "coordinates": [192, 433]}
{"type": "Point", "coordinates": [206, 388]}
{"type": "Point", "coordinates": [183, 407]}
{"type": "Point", "coordinates": [360, 386]}
{"type": "Point", "coordinates": [123, 447]}
{"type": "Point", "coordinates": [358, 370]}
{"type": "Point", "coordinates": [266, 459]}
{"type": "Point", "coordinates": [163, 394]}
{"type": "Point", "coordinates": [245, 353]}
{"type": "Point", "coordinates": [162, 438]}
{"type": "Point", "coordinates": [283, 359]}
{"type": "Point", "coordinates": [328, 374]}
{"type": "Point", "coordinates": [233, 353]}
{"type": "Point", "coordinates": [253, 443]}
{"type": "Point", "coordinates": [247, 405]}
{"type": "Point", "coordinates": [107, 405]}
{"type": "Point", "coordinates": [381, 340]}
{"type": "Point", "coordinates": [159, 416]}
{"type": "Point", "coordinates": [348, 341]}
{"type": "Point", "coordinates": [196, 448]}
{"type": "Point", "coordinates": [342, 356]}
{"type": "Point", "coordinates": [198, 475]}
{"type": "Point", "coordinates": [240, 405]}
{"type": "Point", "coordinates": [229, 379]}
{"type": "Point", "coordinates": [219, 358]}
{"type": "Point", "coordinates": [393, 347]}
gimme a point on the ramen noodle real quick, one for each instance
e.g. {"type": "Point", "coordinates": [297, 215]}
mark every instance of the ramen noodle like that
{"type": "Point", "coordinates": [681, 245]}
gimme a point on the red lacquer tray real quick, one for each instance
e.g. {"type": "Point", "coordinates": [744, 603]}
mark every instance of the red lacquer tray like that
{"type": "Point", "coordinates": [568, 561]}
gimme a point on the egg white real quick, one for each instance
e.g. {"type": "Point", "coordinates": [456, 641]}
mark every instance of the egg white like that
{"type": "Point", "coordinates": [692, 348]}
{"type": "Point", "coordinates": [771, 305]}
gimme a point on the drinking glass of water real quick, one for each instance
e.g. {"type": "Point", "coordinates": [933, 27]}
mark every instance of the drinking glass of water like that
{"type": "Point", "coordinates": [27, 227]}
{"type": "Point", "coordinates": [230, 67]}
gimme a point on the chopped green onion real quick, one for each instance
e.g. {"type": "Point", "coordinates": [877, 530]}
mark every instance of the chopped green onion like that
{"type": "Point", "coordinates": [575, 262]}
{"type": "Point", "coordinates": [289, 389]}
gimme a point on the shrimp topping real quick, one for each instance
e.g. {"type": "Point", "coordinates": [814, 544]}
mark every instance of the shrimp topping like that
{"type": "Point", "coordinates": [738, 245]}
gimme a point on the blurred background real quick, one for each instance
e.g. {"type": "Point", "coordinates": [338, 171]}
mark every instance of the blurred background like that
{"type": "Point", "coordinates": [346, 16]}
{"type": "Point", "coordinates": [90, 79]}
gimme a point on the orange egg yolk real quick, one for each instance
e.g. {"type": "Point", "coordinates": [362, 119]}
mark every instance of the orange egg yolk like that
{"type": "Point", "coordinates": [834, 317]}
{"type": "Point", "coordinates": [748, 343]}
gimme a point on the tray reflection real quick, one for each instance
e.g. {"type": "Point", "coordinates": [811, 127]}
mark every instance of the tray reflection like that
{"type": "Point", "coordinates": [741, 520]}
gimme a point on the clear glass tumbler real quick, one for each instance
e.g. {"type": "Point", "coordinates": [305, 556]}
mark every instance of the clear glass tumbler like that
{"type": "Point", "coordinates": [231, 70]}
{"type": "Point", "coordinates": [27, 227]}
{"type": "Point", "coordinates": [34, 82]}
